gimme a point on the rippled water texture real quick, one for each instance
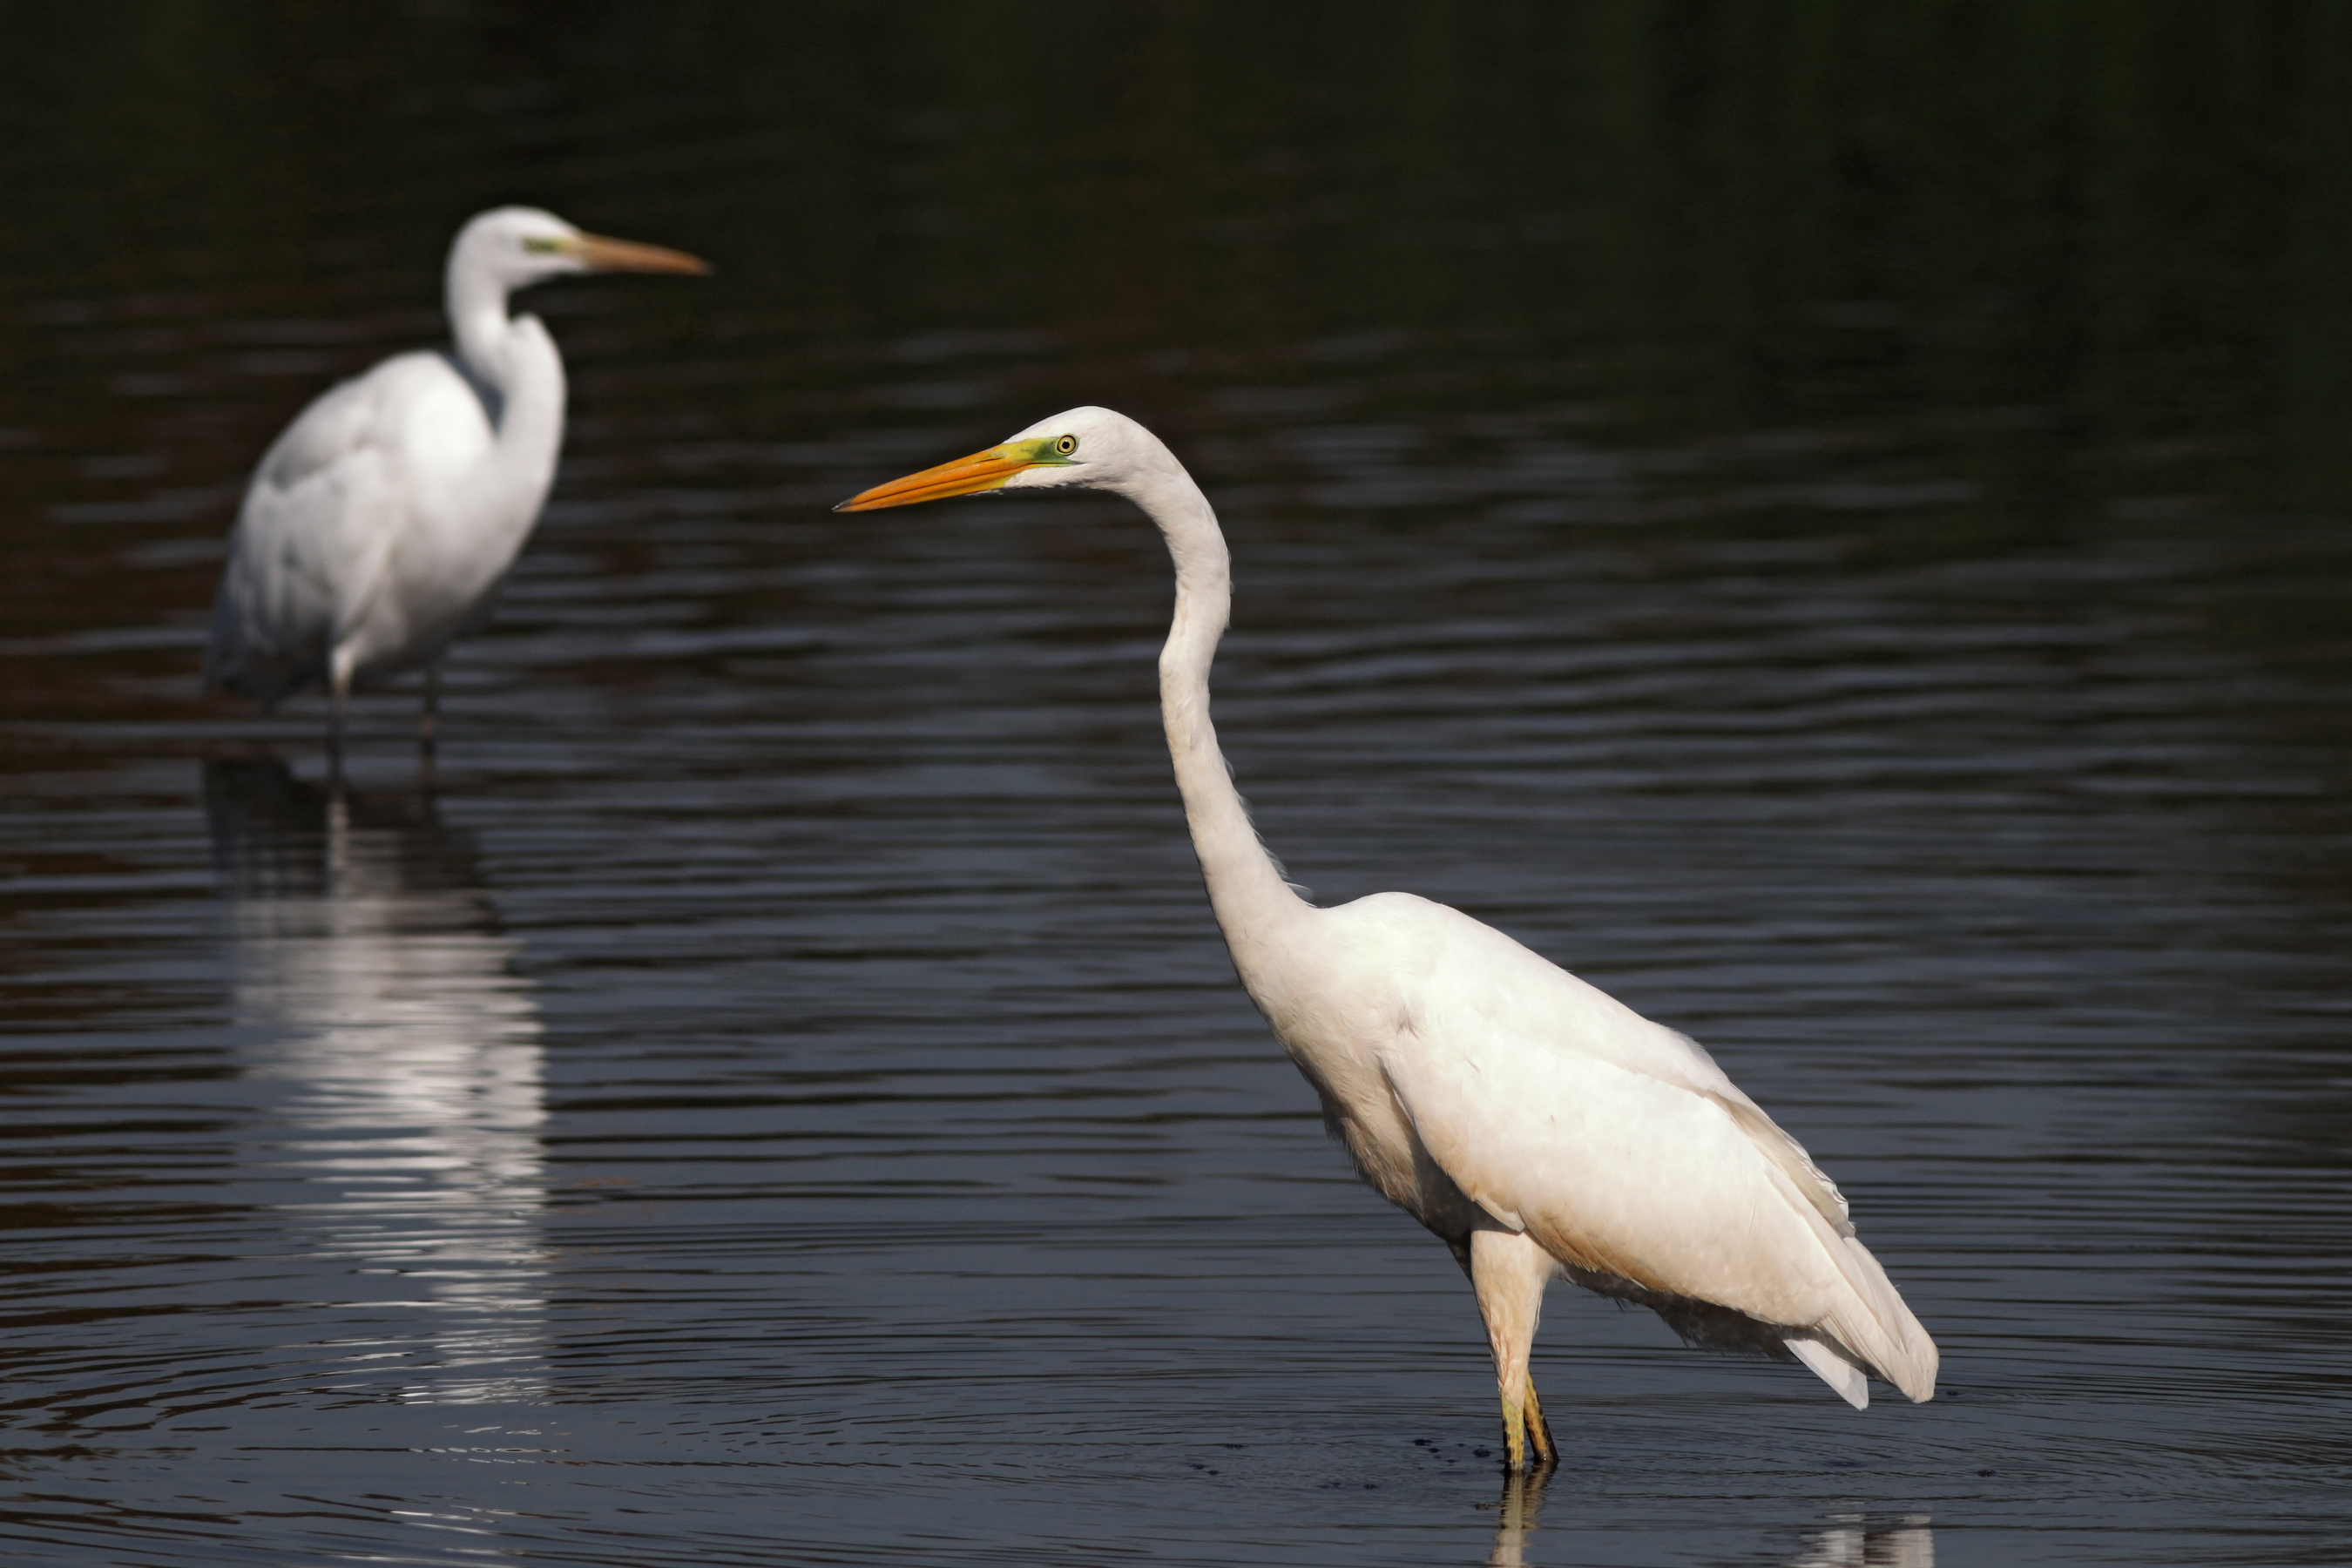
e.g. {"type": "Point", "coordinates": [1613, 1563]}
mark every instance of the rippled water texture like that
{"type": "Point", "coordinates": [1829, 520]}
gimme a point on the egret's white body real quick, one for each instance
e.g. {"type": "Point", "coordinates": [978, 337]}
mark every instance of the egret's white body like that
{"type": "Point", "coordinates": [1535, 1123]}
{"type": "Point", "coordinates": [379, 524]}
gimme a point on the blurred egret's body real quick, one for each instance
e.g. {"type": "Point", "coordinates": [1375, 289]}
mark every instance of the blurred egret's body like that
{"type": "Point", "coordinates": [379, 526]}
{"type": "Point", "coordinates": [1535, 1124]}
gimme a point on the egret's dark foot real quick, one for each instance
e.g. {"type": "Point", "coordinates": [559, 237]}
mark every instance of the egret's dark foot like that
{"type": "Point", "coordinates": [428, 725]}
{"type": "Point", "coordinates": [1526, 1436]}
{"type": "Point", "coordinates": [1545, 1453]}
{"type": "Point", "coordinates": [337, 689]}
{"type": "Point", "coordinates": [1514, 1436]}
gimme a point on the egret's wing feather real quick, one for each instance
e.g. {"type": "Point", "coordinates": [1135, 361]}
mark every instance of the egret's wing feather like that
{"type": "Point", "coordinates": [1869, 1322]}
{"type": "Point", "coordinates": [1790, 1157]}
{"type": "Point", "coordinates": [321, 521]}
{"type": "Point", "coordinates": [1612, 1171]}
{"type": "Point", "coordinates": [1623, 1150]}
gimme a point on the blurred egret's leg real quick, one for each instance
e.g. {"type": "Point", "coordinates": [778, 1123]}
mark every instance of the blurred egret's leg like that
{"type": "Point", "coordinates": [428, 721]}
{"type": "Point", "coordinates": [338, 686]}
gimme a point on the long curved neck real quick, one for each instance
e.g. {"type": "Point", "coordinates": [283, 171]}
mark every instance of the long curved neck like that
{"type": "Point", "coordinates": [515, 361]}
{"type": "Point", "coordinates": [1245, 887]}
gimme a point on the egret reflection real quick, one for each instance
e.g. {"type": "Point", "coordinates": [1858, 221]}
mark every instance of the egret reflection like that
{"type": "Point", "coordinates": [1515, 1517]}
{"type": "Point", "coordinates": [1855, 1543]}
{"type": "Point", "coordinates": [1852, 1542]}
{"type": "Point", "coordinates": [397, 1058]}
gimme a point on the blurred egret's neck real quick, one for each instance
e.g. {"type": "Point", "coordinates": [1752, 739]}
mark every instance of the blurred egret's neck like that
{"type": "Point", "coordinates": [1245, 887]}
{"type": "Point", "coordinates": [514, 358]}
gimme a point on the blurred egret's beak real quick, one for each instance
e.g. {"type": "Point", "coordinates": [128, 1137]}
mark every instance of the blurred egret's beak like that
{"type": "Point", "coordinates": [599, 254]}
{"type": "Point", "coordinates": [981, 471]}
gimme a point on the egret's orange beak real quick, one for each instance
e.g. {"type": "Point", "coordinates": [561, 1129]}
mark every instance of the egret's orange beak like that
{"type": "Point", "coordinates": [599, 254]}
{"type": "Point", "coordinates": [981, 471]}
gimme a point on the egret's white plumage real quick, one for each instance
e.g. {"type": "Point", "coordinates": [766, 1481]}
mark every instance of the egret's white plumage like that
{"type": "Point", "coordinates": [379, 524]}
{"type": "Point", "coordinates": [1535, 1123]}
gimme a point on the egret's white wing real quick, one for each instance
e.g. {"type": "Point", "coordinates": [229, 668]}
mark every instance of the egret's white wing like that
{"type": "Point", "coordinates": [321, 518]}
{"type": "Point", "coordinates": [1621, 1147]}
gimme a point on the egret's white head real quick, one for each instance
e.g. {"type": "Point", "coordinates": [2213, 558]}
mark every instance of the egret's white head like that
{"type": "Point", "coordinates": [1093, 448]}
{"type": "Point", "coordinates": [517, 246]}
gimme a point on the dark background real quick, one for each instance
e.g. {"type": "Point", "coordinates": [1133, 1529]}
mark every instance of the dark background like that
{"type": "Point", "coordinates": [1829, 519]}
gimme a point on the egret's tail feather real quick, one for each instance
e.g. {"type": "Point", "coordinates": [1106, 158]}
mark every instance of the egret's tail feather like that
{"type": "Point", "coordinates": [1877, 1330]}
{"type": "Point", "coordinates": [1851, 1384]}
{"type": "Point", "coordinates": [1871, 1327]}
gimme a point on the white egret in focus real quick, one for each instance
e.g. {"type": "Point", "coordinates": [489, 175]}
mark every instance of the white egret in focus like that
{"type": "Point", "coordinates": [1536, 1125]}
{"type": "Point", "coordinates": [380, 525]}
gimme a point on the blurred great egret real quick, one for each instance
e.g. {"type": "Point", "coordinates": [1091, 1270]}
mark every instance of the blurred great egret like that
{"type": "Point", "coordinates": [1538, 1125]}
{"type": "Point", "coordinates": [379, 524]}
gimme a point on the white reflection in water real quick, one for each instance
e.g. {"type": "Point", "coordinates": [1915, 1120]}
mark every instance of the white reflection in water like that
{"type": "Point", "coordinates": [1515, 1519]}
{"type": "Point", "coordinates": [406, 1059]}
{"type": "Point", "coordinates": [1854, 1543]}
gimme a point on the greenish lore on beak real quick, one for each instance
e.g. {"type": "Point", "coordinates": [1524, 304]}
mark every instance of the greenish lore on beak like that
{"type": "Point", "coordinates": [1037, 454]}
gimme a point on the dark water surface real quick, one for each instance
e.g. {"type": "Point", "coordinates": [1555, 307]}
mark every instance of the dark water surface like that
{"type": "Point", "coordinates": [1828, 521]}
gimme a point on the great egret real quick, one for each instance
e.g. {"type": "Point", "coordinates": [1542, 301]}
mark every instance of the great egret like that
{"type": "Point", "coordinates": [379, 524]}
{"type": "Point", "coordinates": [1535, 1124]}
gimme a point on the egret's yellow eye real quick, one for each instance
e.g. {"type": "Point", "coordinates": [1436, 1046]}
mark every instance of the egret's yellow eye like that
{"type": "Point", "coordinates": [540, 245]}
{"type": "Point", "coordinates": [1065, 445]}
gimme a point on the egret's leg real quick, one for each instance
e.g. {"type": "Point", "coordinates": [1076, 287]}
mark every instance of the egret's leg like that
{"type": "Point", "coordinates": [338, 686]}
{"type": "Point", "coordinates": [428, 720]}
{"type": "Point", "coordinates": [1540, 1430]}
{"type": "Point", "coordinates": [1509, 1273]}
